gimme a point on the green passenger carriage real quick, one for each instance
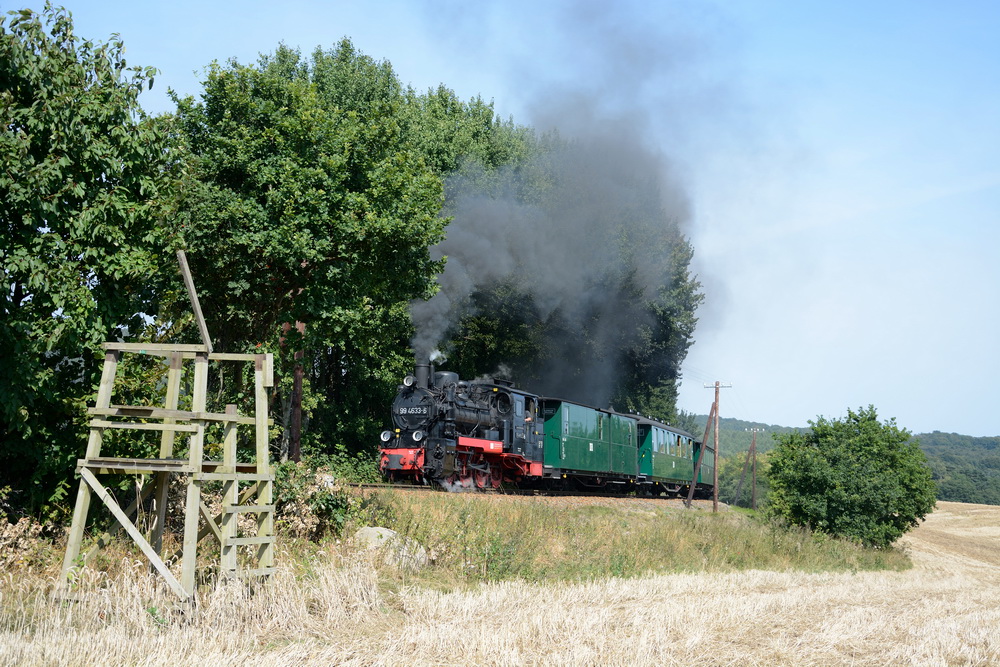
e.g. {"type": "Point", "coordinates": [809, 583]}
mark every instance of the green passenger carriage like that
{"type": "Point", "coordinates": [482, 433]}
{"type": "Point", "coordinates": [667, 458]}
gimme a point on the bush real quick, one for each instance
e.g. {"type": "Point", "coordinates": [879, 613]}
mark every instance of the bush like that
{"type": "Point", "coordinates": [853, 478]}
{"type": "Point", "coordinates": [311, 501]}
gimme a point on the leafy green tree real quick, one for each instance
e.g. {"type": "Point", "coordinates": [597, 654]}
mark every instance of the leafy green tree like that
{"type": "Point", "coordinates": [853, 477]}
{"type": "Point", "coordinates": [305, 204]}
{"type": "Point", "coordinates": [734, 468]}
{"type": "Point", "coordinates": [450, 133]}
{"type": "Point", "coordinates": [81, 177]}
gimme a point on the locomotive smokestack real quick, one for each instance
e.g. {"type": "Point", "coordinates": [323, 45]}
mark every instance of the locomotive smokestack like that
{"type": "Point", "coordinates": [423, 373]}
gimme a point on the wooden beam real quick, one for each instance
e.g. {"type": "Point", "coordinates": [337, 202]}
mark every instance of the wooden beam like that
{"type": "Point", "coordinates": [237, 541]}
{"type": "Point", "coordinates": [186, 351]}
{"type": "Point", "coordinates": [171, 401]}
{"type": "Point", "coordinates": [199, 395]}
{"type": "Point", "coordinates": [149, 412]}
{"type": "Point", "coordinates": [105, 539]}
{"type": "Point", "coordinates": [195, 305]}
{"type": "Point", "coordinates": [240, 476]}
{"type": "Point", "coordinates": [210, 521]}
{"type": "Point", "coordinates": [134, 533]}
{"type": "Point", "coordinates": [75, 538]}
{"type": "Point", "coordinates": [138, 426]}
{"type": "Point", "coordinates": [257, 572]}
{"type": "Point", "coordinates": [156, 349]}
{"type": "Point", "coordinates": [265, 488]}
{"type": "Point", "coordinates": [135, 465]}
{"type": "Point", "coordinates": [256, 509]}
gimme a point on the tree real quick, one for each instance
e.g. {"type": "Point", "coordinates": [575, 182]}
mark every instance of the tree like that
{"type": "Point", "coordinates": [449, 133]}
{"type": "Point", "coordinates": [306, 204]}
{"type": "Point", "coordinates": [852, 477]}
{"type": "Point", "coordinates": [81, 171]}
{"type": "Point", "coordinates": [736, 467]}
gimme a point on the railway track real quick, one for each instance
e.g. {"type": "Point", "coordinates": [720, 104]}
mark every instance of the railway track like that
{"type": "Point", "coordinates": [504, 491]}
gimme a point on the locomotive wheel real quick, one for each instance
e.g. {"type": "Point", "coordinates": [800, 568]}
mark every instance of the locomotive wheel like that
{"type": "Point", "coordinates": [484, 475]}
{"type": "Point", "coordinates": [482, 478]}
{"type": "Point", "coordinates": [458, 482]}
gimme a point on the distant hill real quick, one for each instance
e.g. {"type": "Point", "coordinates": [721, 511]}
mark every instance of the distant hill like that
{"type": "Point", "coordinates": [735, 435]}
{"type": "Point", "coordinates": [966, 468]}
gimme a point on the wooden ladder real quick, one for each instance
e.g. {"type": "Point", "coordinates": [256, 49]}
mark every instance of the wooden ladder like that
{"type": "Point", "coordinates": [255, 499]}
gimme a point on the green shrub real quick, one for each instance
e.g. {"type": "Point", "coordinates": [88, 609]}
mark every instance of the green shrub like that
{"type": "Point", "coordinates": [853, 478]}
{"type": "Point", "coordinates": [312, 502]}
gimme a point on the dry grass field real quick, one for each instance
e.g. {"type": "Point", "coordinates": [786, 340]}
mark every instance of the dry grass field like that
{"type": "Point", "coordinates": [943, 611]}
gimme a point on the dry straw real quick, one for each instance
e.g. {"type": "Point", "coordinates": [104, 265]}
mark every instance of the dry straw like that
{"type": "Point", "coordinates": [331, 608]}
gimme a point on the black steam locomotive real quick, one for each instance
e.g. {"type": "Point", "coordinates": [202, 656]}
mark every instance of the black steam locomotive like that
{"type": "Point", "coordinates": [479, 434]}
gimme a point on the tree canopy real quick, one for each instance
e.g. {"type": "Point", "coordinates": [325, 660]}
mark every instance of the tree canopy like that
{"type": "Point", "coordinates": [306, 205]}
{"type": "Point", "coordinates": [853, 477]}
{"type": "Point", "coordinates": [81, 182]}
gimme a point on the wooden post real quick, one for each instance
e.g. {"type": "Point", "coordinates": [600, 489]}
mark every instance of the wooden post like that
{"type": "Point", "coordinates": [715, 474]}
{"type": "Point", "coordinates": [166, 451]}
{"type": "Point", "coordinates": [715, 467]}
{"type": "Point", "coordinates": [751, 456]}
{"type": "Point", "coordinates": [701, 453]}
{"type": "Point", "coordinates": [230, 497]}
{"type": "Point", "coordinates": [74, 540]}
{"type": "Point", "coordinates": [193, 295]}
{"type": "Point", "coordinates": [263, 378]}
{"type": "Point", "coordinates": [193, 503]}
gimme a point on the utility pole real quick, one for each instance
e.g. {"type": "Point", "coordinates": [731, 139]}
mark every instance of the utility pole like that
{"type": "Point", "coordinates": [751, 456]}
{"type": "Point", "coordinates": [701, 455]}
{"type": "Point", "coordinates": [715, 471]}
{"type": "Point", "coordinates": [753, 489]}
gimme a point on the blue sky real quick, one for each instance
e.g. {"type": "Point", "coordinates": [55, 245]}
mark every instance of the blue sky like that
{"type": "Point", "coordinates": [841, 160]}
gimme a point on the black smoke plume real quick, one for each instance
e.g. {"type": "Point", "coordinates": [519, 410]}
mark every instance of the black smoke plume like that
{"type": "Point", "coordinates": [590, 228]}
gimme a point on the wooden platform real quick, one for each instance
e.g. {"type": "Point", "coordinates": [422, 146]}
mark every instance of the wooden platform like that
{"type": "Point", "coordinates": [247, 486]}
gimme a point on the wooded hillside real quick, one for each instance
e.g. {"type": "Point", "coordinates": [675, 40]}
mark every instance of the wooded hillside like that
{"type": "Point", "coordinates": [966, 469]}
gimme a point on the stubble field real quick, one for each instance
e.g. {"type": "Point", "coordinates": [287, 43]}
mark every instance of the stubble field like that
{"type": "Point", "coordinates": [943, 611]}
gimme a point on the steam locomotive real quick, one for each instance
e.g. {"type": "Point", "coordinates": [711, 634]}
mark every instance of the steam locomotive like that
{"type": "Point", "coordinates": [480, 434]}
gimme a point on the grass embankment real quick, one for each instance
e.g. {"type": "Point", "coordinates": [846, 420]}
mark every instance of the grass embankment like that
{"type": "Point", "coordinates": [535, 539]}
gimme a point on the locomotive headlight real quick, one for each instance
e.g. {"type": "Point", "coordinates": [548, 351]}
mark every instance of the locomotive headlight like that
{"type": "Point", "coordinates": [409, 380]}
{"type": "Point", "coordinates": [386, 436]}
{"type": "Point", "coordinates": [418, 436]}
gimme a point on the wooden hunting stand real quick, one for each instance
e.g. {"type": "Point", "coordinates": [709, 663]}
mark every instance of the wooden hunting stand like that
{"type": "Point", "coordinates": [255, 498]}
